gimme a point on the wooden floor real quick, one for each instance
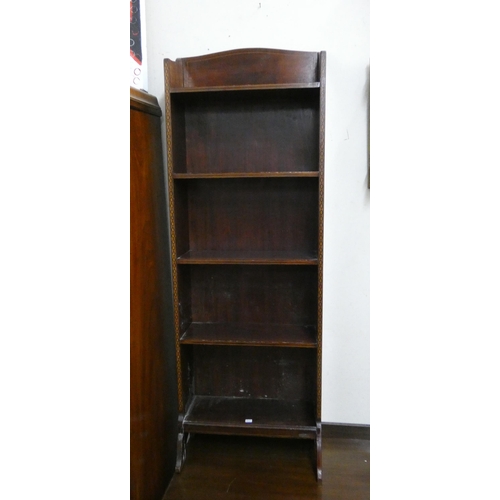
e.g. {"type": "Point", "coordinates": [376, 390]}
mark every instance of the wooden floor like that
{"type": "Point", "coordinates": [270, 469]}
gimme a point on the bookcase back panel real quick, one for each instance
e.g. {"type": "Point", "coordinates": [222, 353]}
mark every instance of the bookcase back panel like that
{"type": "Point", "coordinates": [257, 131]}
{"type": "Point", "coordinates": [253, 214]}
{"type": "Point", "coordinates": [181, 217]}
{"type": "Point", "coordinates": [257, 372]}
{"type": "Point", "coordinates": [251, 294]}
{"type": "Point", "coordinates": [178, 131]}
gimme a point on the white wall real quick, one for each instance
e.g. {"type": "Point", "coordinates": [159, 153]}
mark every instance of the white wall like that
{"type": "Point", "coordinates": [341, 28]}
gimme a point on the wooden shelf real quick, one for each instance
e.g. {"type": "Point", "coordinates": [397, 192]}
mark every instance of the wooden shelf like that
{"type": "Point", "coordinates": [240, 88]}
{"type": "Point", "coordinates": [243, 175]}
{"type": "Point", "coordinates": [253, 417]}
{"type": "Point", "coordinates": [248, 257]}
{"type": "Point", "coordinates": [250, 335]}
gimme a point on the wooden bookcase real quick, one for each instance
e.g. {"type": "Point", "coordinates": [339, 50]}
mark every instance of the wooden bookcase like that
{"type": "Point", "coordinates": [245, 146]}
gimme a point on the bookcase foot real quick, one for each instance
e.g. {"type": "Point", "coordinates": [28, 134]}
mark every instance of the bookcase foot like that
{"type": "Point", "coordinates": [319, 461]}
{"type": "Point", "coordinates": [181, 444]}
{"type": "Point", "coordinates": [181, 451]}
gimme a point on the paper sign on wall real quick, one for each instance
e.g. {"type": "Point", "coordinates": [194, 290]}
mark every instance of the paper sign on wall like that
{"type": "Point", "coordinates": [137, 48]}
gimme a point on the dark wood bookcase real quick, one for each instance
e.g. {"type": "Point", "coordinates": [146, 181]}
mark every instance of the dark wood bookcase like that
{"type": "Point", "coordinates": [245, 150]}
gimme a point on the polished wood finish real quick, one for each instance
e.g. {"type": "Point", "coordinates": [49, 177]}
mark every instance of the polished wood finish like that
{"type": "Point", "coordinates": [153, 395]}
{"type": "Point", "coordinates": [236, 468]}
{"type": "Point", "coordinates": [245, 143]}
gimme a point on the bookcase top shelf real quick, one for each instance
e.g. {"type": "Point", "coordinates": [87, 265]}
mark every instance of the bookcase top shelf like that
{"type": "Point", "coordinates": [240, 88]}
{"type": "Point", "coordinates": [238, 175]}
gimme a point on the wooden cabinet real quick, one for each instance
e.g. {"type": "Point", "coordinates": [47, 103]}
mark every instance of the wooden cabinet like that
{"type": "Point", "coordinates": [245, 144]}
{"type": "Point", "coordinates": [153, 387]}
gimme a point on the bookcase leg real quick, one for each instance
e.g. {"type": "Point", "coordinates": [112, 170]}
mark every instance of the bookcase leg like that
{"type": "Point", "coordinates": [319, 461]}
{"type": "Point", "coordinates": [181, 445]}
{"type": "Point", "coordinates": [181, 451]}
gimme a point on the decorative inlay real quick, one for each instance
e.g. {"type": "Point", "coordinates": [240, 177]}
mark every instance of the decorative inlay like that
{"type": "Point", "coordinates": [322, 63]}
{"type": "Point", "coordinates": [168, 121]}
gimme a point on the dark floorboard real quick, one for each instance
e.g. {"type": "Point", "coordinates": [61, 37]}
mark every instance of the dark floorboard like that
{"type": "Point", "coordinates": [270, 469]}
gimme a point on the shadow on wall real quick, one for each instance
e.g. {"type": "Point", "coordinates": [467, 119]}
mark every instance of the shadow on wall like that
{"type": "Point", "coordinates": [367, 98]}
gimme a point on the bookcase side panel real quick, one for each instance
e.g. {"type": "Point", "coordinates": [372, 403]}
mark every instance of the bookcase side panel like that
{"type": "Point", "coordinates": [321, 169]}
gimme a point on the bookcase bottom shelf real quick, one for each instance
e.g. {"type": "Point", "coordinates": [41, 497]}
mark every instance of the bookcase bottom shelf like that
{"type": "Point", "coordinates": [250, 417]}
